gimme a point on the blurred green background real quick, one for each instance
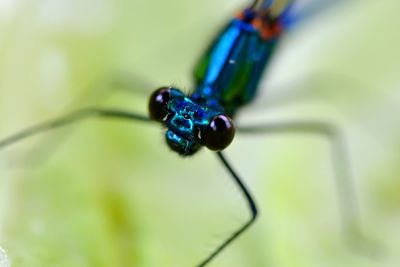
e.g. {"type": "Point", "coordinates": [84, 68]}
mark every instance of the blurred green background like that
{"type": "Point", "coordinates": [112, 194]}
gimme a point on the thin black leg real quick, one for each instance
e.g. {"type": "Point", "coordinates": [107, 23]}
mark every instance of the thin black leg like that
{"type": "Point", "coordinates": [69, 119]}
{"type": "Point", "coordinates": [98, 92]}
{"type": "Point", "coordinates": [250, 202]}
{"type": "Point", "coordinates": [350, 216]}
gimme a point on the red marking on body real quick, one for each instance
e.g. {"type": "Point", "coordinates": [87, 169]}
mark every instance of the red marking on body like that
{"type": "Point", "coordinates": [267, 26]}
{"type": "Point", "coordinates": [268, 29]}
{"type": "Point", "coordinates": [240, 15]}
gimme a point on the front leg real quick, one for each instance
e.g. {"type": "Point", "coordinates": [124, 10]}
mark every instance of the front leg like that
{"type": "Point", "coordinates": [349, 211]}
{"type": "Point", "coordinates": [251, 205]}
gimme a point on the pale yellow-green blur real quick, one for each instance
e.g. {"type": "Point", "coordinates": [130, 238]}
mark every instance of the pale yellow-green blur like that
{"type": "Point", "coordinates": [111, 194]}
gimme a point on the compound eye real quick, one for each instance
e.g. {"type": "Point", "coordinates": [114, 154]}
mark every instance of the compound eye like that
{"type": "Point", "coordinates": [219, 133]}
{"type": "Point", "coordinates": [158, 103]}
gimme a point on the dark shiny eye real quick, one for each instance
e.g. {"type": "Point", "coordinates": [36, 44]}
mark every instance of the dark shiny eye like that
{"type": "Point", "coordinates": [219, 133]}
{"type": "Point", "coordinates": [158, 102]}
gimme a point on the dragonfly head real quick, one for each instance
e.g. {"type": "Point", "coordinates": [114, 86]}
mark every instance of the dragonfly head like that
{"type": "Point", "coordinates": [189, 124]}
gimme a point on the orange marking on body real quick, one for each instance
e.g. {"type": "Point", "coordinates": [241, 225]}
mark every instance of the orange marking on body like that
{"type": "Point", "coordinates": [267, 30]}
{"type": "Point", "coordinates": [240, 15]}
{"type": "Point", "coordinates": [262, 22]}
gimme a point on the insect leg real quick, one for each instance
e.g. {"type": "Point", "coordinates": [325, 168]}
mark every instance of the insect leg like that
{"type": "Point", "coordinates": [250, 202]}
{"type": "Point", "coordinates": [69, 119]}
{"type": "Point", "coordinates": [117, 82]}
{"type": "Point", "coordinates": [349, 212]}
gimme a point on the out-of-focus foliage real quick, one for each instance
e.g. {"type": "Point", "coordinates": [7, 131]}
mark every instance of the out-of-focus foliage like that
{"type": "Point", "coordinates": [112, 194]}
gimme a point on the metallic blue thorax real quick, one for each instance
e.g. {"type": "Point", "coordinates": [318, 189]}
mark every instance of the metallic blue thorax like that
{"type": "Point", "coordinates": [229, 72]}
{"type": "Point", "coordinates": [226, 78]}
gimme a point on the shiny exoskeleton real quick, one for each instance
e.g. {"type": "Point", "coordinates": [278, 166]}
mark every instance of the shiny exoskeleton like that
{"type": "Point", "coordinates": [226, 78]}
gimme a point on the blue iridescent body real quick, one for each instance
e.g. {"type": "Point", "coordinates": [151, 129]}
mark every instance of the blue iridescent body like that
{"type": "Point", "coordinates": [226, 78]}
{"type": "Point", "coordinates": [229, 73]}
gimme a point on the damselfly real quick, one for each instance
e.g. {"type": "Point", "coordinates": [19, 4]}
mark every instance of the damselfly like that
{"type": "Point", "coordinates": [226, 78]}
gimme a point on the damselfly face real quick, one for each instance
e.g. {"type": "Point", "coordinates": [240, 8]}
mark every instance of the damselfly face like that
{"type": "Point", "coordinates": [102, 190]}
{"type": "Point", "coordinates": [190, 125]}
